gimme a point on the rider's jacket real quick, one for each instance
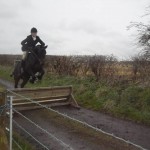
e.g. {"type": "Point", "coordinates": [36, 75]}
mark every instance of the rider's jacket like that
{"type": "Point", "coordinates": [31, 42]}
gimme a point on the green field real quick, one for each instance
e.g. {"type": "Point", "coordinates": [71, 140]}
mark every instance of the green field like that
{"type": "Point", "coordinates": [128, 101]}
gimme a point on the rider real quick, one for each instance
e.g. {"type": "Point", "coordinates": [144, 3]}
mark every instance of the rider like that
{"type": "Point", "coordinates": [30, 43]}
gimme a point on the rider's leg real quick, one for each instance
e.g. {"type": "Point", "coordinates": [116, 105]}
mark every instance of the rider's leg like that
{"type": "Point", "coordinates": [23, 59]}
{"type": "Point", "coordinates": [24, 55]}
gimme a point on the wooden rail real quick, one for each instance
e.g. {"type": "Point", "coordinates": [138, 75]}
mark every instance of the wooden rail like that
{"type": "Point", "coordinates": [50, 96]}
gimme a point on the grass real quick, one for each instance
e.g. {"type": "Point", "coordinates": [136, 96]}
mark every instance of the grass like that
{"type": "Point", "coordinates": [25, 145]}
{"type": "Point", "coordinates": [18, 139]}
{"type": "Point", "coordinates": [129, 102]}
{"type": "Point", "coordinates": [3, 140]}
{"type": "Point", "coordinates": [5, 72]}
{"type": "Point", "coordinates": [126, 101]}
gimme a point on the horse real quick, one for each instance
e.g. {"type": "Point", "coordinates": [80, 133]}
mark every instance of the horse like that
{"type": "Point", "coordinates": [32, 68]}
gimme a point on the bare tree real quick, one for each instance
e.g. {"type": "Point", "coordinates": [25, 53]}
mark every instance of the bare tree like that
{"type": "Point", "coordinates": [141, 68]}
{"type": "Point", "coordinates": [84, 65]}
{"type": "Point", "coordinates": [97, 64]}
{"type": "Point", "coordinates": [141, 62]}
{"type": "Point", "coordinates": [143, 36]}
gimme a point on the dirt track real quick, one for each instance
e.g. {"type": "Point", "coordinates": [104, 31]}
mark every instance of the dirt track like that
{"type": "Point", "coordinates": [72, 137]}
{"type": "Point", "coordinates": [138, 134]}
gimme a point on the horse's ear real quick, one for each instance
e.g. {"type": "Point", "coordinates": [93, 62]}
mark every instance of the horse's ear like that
{"type": "Point", "coordinates": [45, 46]}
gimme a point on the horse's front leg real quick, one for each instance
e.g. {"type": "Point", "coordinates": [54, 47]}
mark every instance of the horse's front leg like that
{"type": "Point", "coordinates": [24, 82]}
{"type": "Point", "coordinates": [42, 72]}
{"type": "Point", "coordinates": [31, 73]}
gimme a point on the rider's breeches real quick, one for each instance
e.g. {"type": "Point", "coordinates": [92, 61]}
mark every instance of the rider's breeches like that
{"type": "Point", "coordinates": [24, 55]}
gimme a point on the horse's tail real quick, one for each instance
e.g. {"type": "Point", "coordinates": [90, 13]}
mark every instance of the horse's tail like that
{"type": "Point", "coordinates": [17, 68]}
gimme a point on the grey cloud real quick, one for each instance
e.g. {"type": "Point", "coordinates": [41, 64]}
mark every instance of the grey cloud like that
{"type": "Point", "coordinates": [90, 28]}
{"type": "Point", "coordinates": [66, 33]}
{"type": "Point", "coordinates": [87, 26]}
{"type": "Point", "coordinates": [11, 9]}
{"type": "Point", "coordinates": [4, 14]}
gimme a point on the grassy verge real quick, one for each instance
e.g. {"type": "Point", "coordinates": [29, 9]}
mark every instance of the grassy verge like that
{"type": "Point", "coordinates": [126, 101]}
{"type": "Point", "coordinates": [3, 137]}
{"type": "Point", "coordinates": [20, 141]}
{"type": "Point", "coordinates": [25, 145]}
{"type": "Point", "coordinates": [5, 72]}
{"type": "Point", "coordinates": [3, 140]}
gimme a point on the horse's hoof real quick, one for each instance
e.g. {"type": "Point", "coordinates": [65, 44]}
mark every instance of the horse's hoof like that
{"type": "Point", "coordinates": [31, 81]}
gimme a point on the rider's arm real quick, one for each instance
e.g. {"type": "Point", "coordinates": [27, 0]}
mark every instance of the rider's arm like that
{"type": "Point", "coordinates": [24, 42]}
{"type": "Point", "coordinates": [41, 42]}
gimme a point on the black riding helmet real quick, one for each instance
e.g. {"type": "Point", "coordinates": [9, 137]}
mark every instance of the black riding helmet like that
{"type": "Point", "coordinates": [33, 30]}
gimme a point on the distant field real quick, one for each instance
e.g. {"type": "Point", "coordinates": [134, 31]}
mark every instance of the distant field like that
{"type": "Point", "coordinates": [102, 67]}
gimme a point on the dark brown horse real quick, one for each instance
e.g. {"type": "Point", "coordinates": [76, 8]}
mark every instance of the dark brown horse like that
{"type": "Point", "coordinates": [32, 68]}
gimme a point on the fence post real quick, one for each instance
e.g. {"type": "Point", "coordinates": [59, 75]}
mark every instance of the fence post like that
{"type": "Point", "coordinates": [2, 102]}
{"type": "Point", "coordinates": [10, 121]}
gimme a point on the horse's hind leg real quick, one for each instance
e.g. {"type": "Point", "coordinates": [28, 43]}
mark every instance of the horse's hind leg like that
{"type": "Point", "coordinates": [16, 82]}
{"type": "Point", "coordinates": [24, 82]}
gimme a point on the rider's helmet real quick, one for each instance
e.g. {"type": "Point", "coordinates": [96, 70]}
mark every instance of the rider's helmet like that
{"type": "Point", "coordinates": [33, 30]}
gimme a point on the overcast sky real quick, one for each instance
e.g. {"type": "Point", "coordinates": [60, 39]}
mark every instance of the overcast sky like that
{"type": "Point", "coordinates": [72, 27]}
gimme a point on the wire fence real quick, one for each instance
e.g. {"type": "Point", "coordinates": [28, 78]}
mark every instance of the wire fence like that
{"type": "Point", "coordinates": [14, 122]}
{"type": "Point", "coordinates": [2, 109]}
{"type": "Point", "coordinates": [50, 135]}
{"type": "Point", "coordinates": [17, 144]}
{"type": "Point", "coordinates": [23, 129]}
{"type": "Point", "coordinates": [45, 131]}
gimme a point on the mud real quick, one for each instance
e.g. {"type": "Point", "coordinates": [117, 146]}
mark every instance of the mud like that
{"type": "Point", "coordinates": [136, 133]}
{"type": "Point", "coordinates": [72, 137]}
{"type": "Point", "coordinates": [7, 84]}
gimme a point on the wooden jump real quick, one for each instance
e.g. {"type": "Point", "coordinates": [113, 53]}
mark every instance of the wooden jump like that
{"type": "Point", "coordinates": [49, 96]}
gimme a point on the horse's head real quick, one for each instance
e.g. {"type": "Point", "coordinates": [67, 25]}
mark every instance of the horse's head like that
{"type": "Point", "coordinates": [41, 52]}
